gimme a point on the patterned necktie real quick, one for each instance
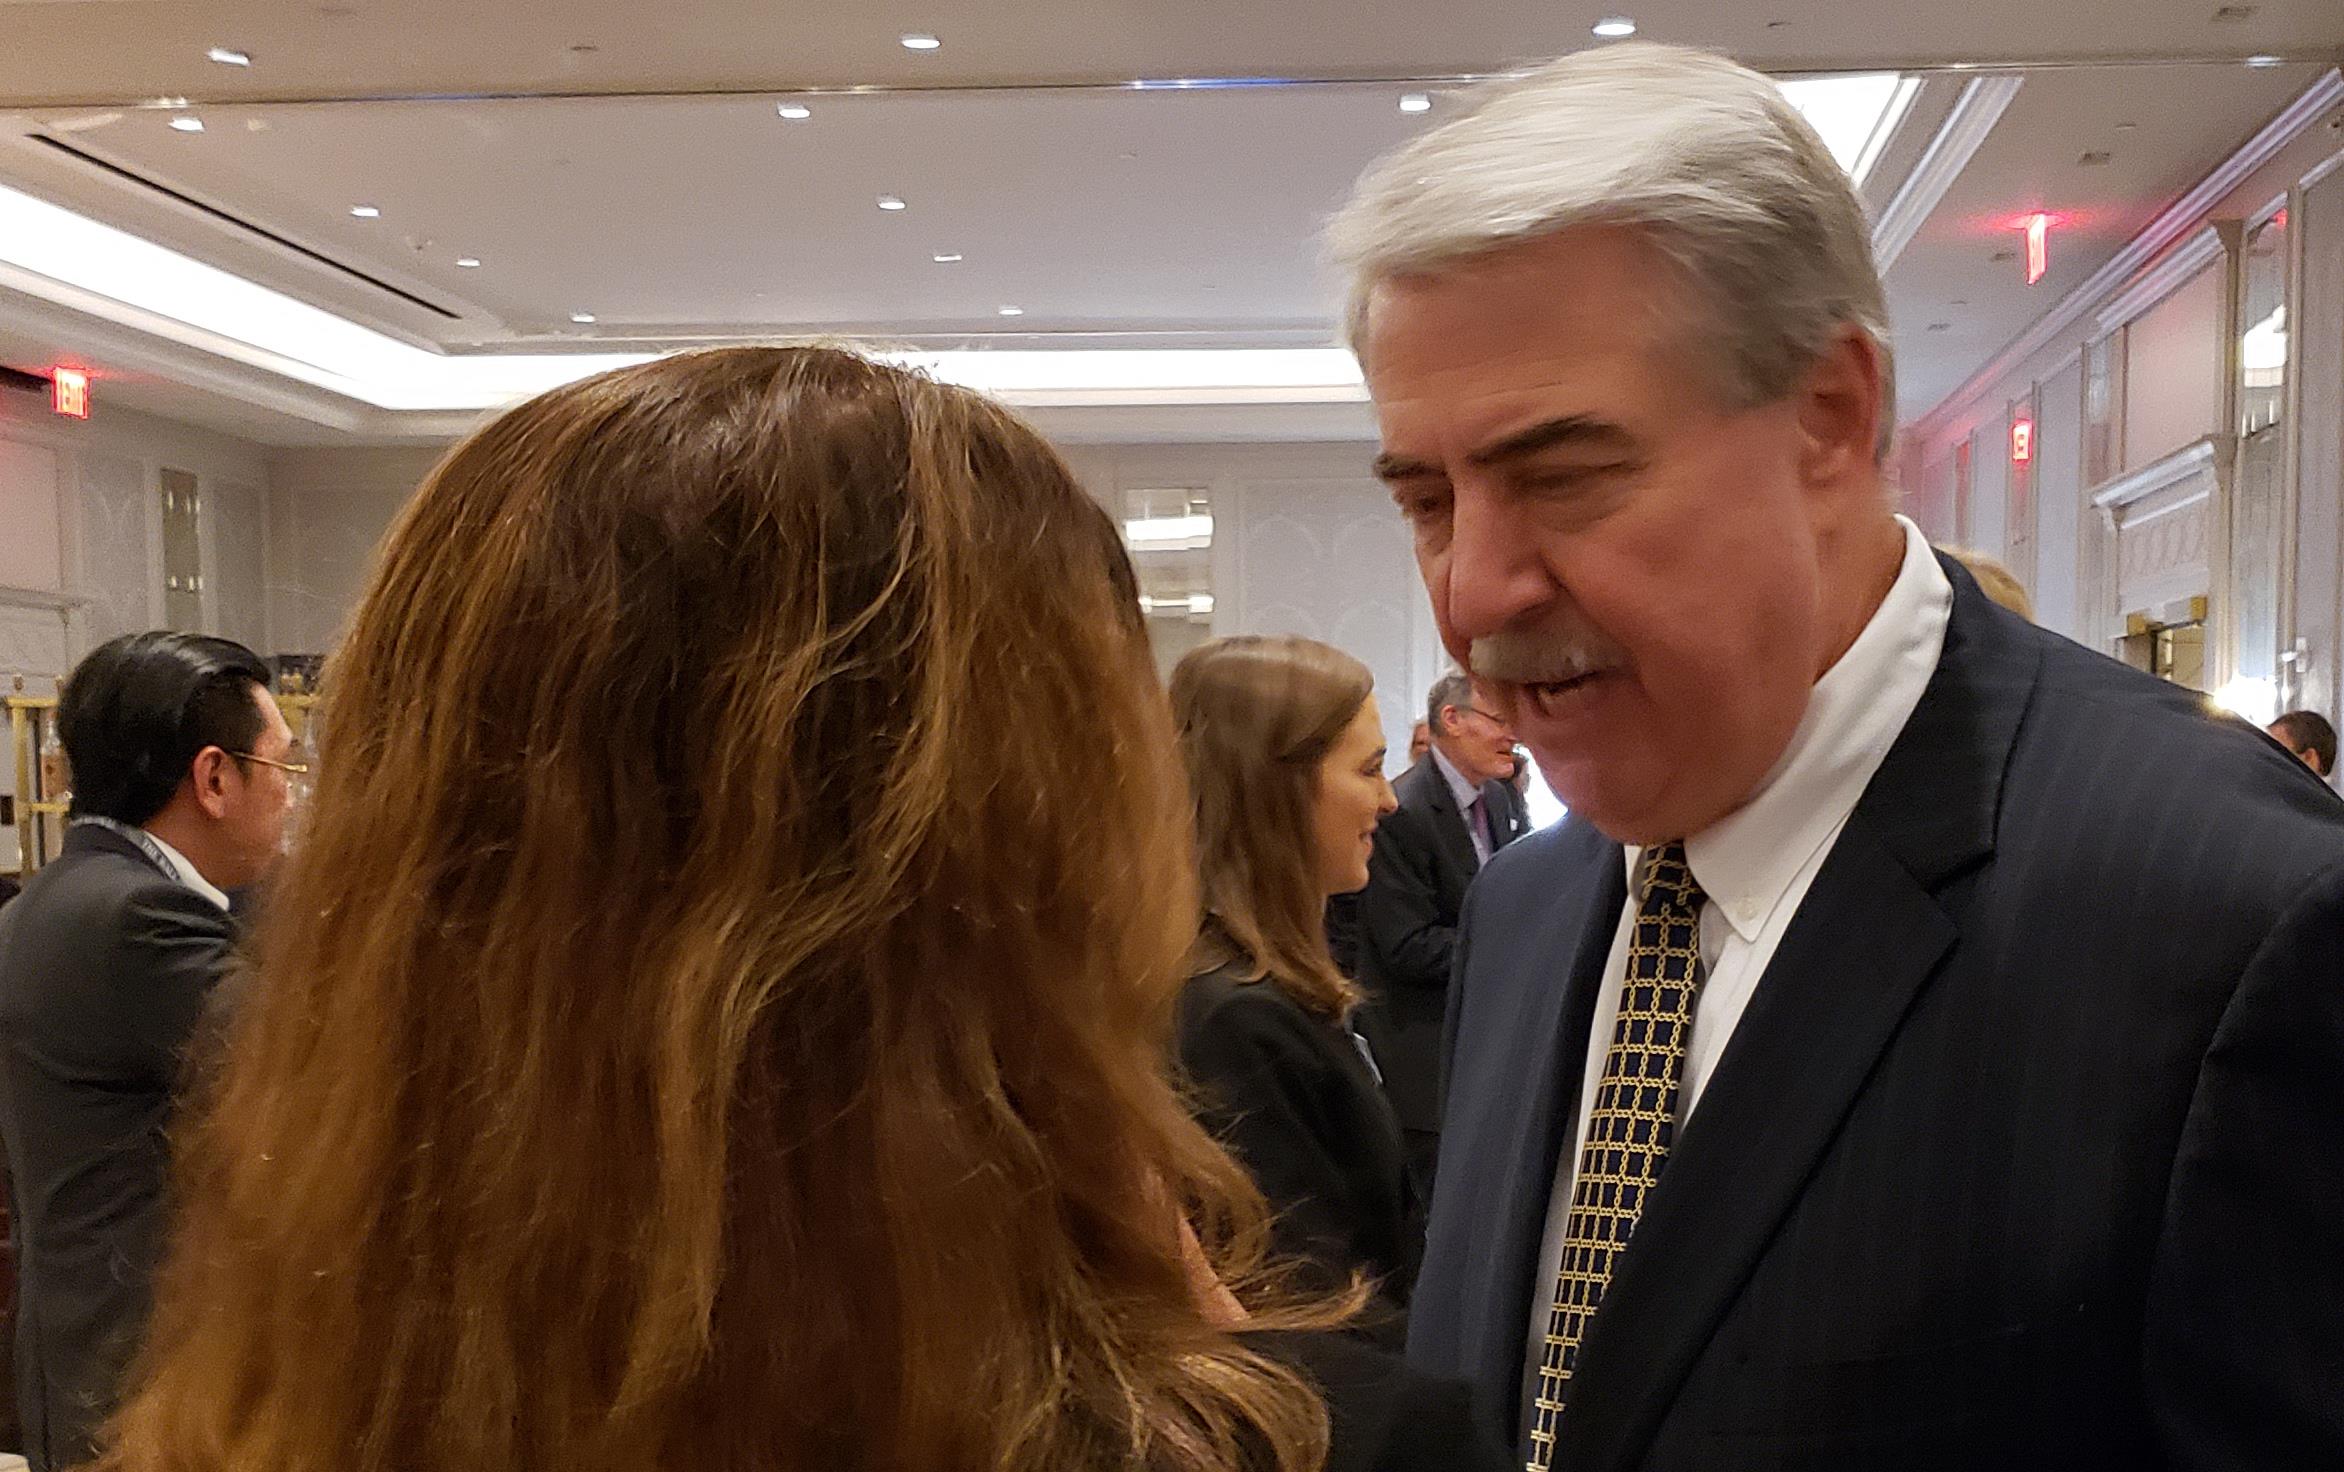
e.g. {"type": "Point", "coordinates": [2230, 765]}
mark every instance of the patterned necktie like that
{"type": "Point", "coordinates": [1632, 1124]}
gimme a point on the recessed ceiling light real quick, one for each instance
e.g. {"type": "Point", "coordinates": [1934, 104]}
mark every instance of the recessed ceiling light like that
{"type": "Point", "coordinates": [229, 56]}
{"type": "Point", "coordinates": [365, 212]}
{"type": "Point", "coordinates": [187, 125]}
{"type": "Point", "coordinates": [1612, 27]}
{"type": "Point", "coordinates": [946, 260]}
{"type": "Point", "coordinates": [920, 41]}
{"type": "Point", "coordinates": [890, 202]}
{"type": "Point", "coordinates": [1940, 326]}
{"type": "Point", "coordinates": [2095, 158]}
{"type": "Point", "coordinates": [795, 111]}
{"type": "Point", "coordinates": [1013, 311]}
{"type": "Point", "coordinates": [1415, 102]}
{"type": "Point", "coordinates": [169, 102]}
{"type": "Point", "coordinates": [2260, 62]}
{"type": "Point", "coordinates": [468, 262]}
{"type": "Point", "coordinates": [581, 318]}
{"type": "Point", "coordinates": [2230, 15]}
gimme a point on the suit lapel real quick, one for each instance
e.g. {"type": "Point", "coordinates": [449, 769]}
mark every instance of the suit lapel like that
{"type": "Point", "coordinates": [1448, 821]}
{"type": "Point", "coordinates": [1864, 945]}
{"type": "Point", "coordinates": [1840, 982]}
{"type": "Point", "coordinates": [1549, 1027]}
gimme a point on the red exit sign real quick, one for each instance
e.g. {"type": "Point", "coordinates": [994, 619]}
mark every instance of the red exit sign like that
{"type": "Point", "coordinates": [2022, 441]}
{"type": "Point", "coordinates": [69, 393]}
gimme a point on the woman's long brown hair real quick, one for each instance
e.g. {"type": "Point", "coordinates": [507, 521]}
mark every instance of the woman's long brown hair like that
{"type": "Point", "coordinates": [716, 1019]}
{"type": "Point", "coordinates": [1257, 714]}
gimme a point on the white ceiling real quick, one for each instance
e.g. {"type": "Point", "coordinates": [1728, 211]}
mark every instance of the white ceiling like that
{"type": "Point", "coordinates": [2031, 162]}
{"type": "Point", "coordinates": [108, 50]}
{"type": "Point", "coordinates": [1113, 217]}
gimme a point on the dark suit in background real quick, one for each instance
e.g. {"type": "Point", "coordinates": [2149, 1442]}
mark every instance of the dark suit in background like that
{"type": "Point", "coordinates": [1383, 1416]}
{"type": "Point", "coordinates": [106, 964]}
{"type": "Point", "coordinates": [2026, 1152]}
{"type": "Point", "coordinates": [1293, 1097]}
{"type": "Point", "coordinates": [1407, 938]}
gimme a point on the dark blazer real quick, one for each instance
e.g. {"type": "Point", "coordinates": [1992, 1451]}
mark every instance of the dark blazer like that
{"type": "Point", "coordinates": [2027, 1152]}
{"type": "Point", "coordinates": [1384, 1416]}
{"type": "Point", "coordinates": [106, 964]}
{"type": "Point", "coordinates": [1407, 919]}
{"type": "Point", "coordinates": [1293, 1097]}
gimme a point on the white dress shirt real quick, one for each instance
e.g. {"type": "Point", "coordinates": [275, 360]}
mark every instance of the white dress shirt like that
{"type": "Point", "coordinates": [180, 867]}
{"type": "Point", "coordinates": [1468, 803]}
{"type": "Point", "coordinates": [190, 876]}
{"type": "Point", "coordinates": [1755, 865]}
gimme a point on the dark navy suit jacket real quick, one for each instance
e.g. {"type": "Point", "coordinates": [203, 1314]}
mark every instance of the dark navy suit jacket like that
{"type": "Point", "coordinates": [2029, 1151]}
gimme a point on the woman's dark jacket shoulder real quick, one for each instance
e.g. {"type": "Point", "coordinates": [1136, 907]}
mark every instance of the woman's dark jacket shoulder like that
{"type": "Point", "coordinates": [1387, 1417]}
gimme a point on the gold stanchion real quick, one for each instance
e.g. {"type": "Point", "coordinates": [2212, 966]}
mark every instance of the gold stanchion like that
{"type": "Point", "coordinates": [38, 783]}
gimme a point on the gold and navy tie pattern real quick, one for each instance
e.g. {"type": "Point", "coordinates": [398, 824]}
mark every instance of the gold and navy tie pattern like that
{"type": "Point", "coordinates": [1632, 1124]}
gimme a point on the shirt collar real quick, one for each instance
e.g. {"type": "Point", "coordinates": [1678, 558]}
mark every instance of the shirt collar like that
{"type": "Point", "coordinates": [178, 863]}
{"type": "Point", "coordinates": [1464, 791]}
{"type": "Point", "coordinates": [190, 876]}
{"type": "Point", "coordinates": [1745, 862]}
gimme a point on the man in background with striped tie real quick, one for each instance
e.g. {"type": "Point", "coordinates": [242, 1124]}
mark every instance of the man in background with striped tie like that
{"type": "Point", "coordinates": [1882, 1069]}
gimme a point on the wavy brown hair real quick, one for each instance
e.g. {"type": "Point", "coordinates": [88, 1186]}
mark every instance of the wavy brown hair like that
{"type": "Point", "coordinates": [694, 1033]}
{"type": "Point", "coordinates": [1257, 714]}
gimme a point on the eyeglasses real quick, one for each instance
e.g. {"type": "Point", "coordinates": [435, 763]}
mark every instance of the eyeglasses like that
{"type": "Point", "coordinates": [298, 769]}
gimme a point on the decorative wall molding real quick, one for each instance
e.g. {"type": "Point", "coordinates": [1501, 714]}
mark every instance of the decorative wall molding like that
{"type": "Point", "coordinates": [2177, 220]}
{"type": "Point", "coordinates": [2136, 486]}
{"type": "Point", "coordinates": [47, 598]}
{"type": "Point", "coordinates": [1975, 112]}
{"type": "Point", "coordinates": [2152, 286]}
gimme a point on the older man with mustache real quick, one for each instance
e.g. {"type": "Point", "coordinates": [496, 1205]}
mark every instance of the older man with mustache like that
{"type": "Point", "coordinates": [1882, 1069]}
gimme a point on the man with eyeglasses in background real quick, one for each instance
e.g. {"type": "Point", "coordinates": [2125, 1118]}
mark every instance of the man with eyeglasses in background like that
{"type": "Point", "coordinates": [1457, 808]}
{"type": "Point", "coordinates": [108, 961]}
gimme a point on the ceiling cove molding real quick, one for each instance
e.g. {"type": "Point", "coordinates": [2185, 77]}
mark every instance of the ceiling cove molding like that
{"type": "Point", "coordinates": [2161, 280]}
{"type": "Point", "coordinates": [1975, 112]}
{"type": "Point", "coordinates": [2179, 219]}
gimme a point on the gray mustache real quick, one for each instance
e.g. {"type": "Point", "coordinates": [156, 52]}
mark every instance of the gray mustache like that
{"type": "Point", "coordinates": [1542, 656]}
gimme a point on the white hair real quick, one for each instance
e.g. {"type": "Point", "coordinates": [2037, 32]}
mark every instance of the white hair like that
{"type": "Point", "coordinates": [1704, 157]}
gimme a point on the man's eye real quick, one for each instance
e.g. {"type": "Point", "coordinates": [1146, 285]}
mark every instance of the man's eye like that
{"type": "Point", "coordinates": [1423, 505]}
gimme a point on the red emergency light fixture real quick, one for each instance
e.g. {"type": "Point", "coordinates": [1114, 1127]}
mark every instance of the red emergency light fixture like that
{"type": "Point", "coordinates": [69, 393]}
{"type": "Point", "coordinates": [2038, 228]}
{"type": "Point", "coordinates": [2022, 441]}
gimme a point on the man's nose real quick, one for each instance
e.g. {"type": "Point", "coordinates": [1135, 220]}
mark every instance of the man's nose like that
{"type": "Point", "coordinates": [1495, 573]}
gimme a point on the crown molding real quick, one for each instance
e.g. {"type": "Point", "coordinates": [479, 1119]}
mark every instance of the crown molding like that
{"type": "Point", "coordinates": [2170, 273]}
{"type": "Point", "coordinates": [1981, 105]}
{"type": "Point", "coordinates": [2176, 221]}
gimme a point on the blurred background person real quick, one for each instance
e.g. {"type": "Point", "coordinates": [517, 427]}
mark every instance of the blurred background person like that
{"type": "Point", "coordinates": [848, 1140]}
{"type": "Point", "coordinates": [108, 961]}
{"type": "Point", "coordinates": [1995, 580]}
{"type": "Point", "coordinates": [1456, 808]}
{"type": "Point", "coordinates": [1285, 756]}
{"type": "Point", "coordinates": [1419, 742]}
{"type": "Point", "coordinates": [2310, 737]}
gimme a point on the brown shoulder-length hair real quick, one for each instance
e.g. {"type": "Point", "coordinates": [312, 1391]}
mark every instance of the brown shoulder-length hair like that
{"type": "Point", "coordinates": [1256, 715]}
{"type": "Point", "coordinates": [687, 1036]}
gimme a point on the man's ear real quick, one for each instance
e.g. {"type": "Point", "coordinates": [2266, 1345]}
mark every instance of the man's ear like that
{"type": "Point", "coordinates": [1840, 408]}
{"type": "Point", "coordinates": [209, 774]}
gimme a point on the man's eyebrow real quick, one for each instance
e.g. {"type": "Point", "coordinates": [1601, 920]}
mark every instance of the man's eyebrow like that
{"type": "Point", "coordinates": [1400, 467]}
{"type": "Point", "coordinates": [1570, 429]}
